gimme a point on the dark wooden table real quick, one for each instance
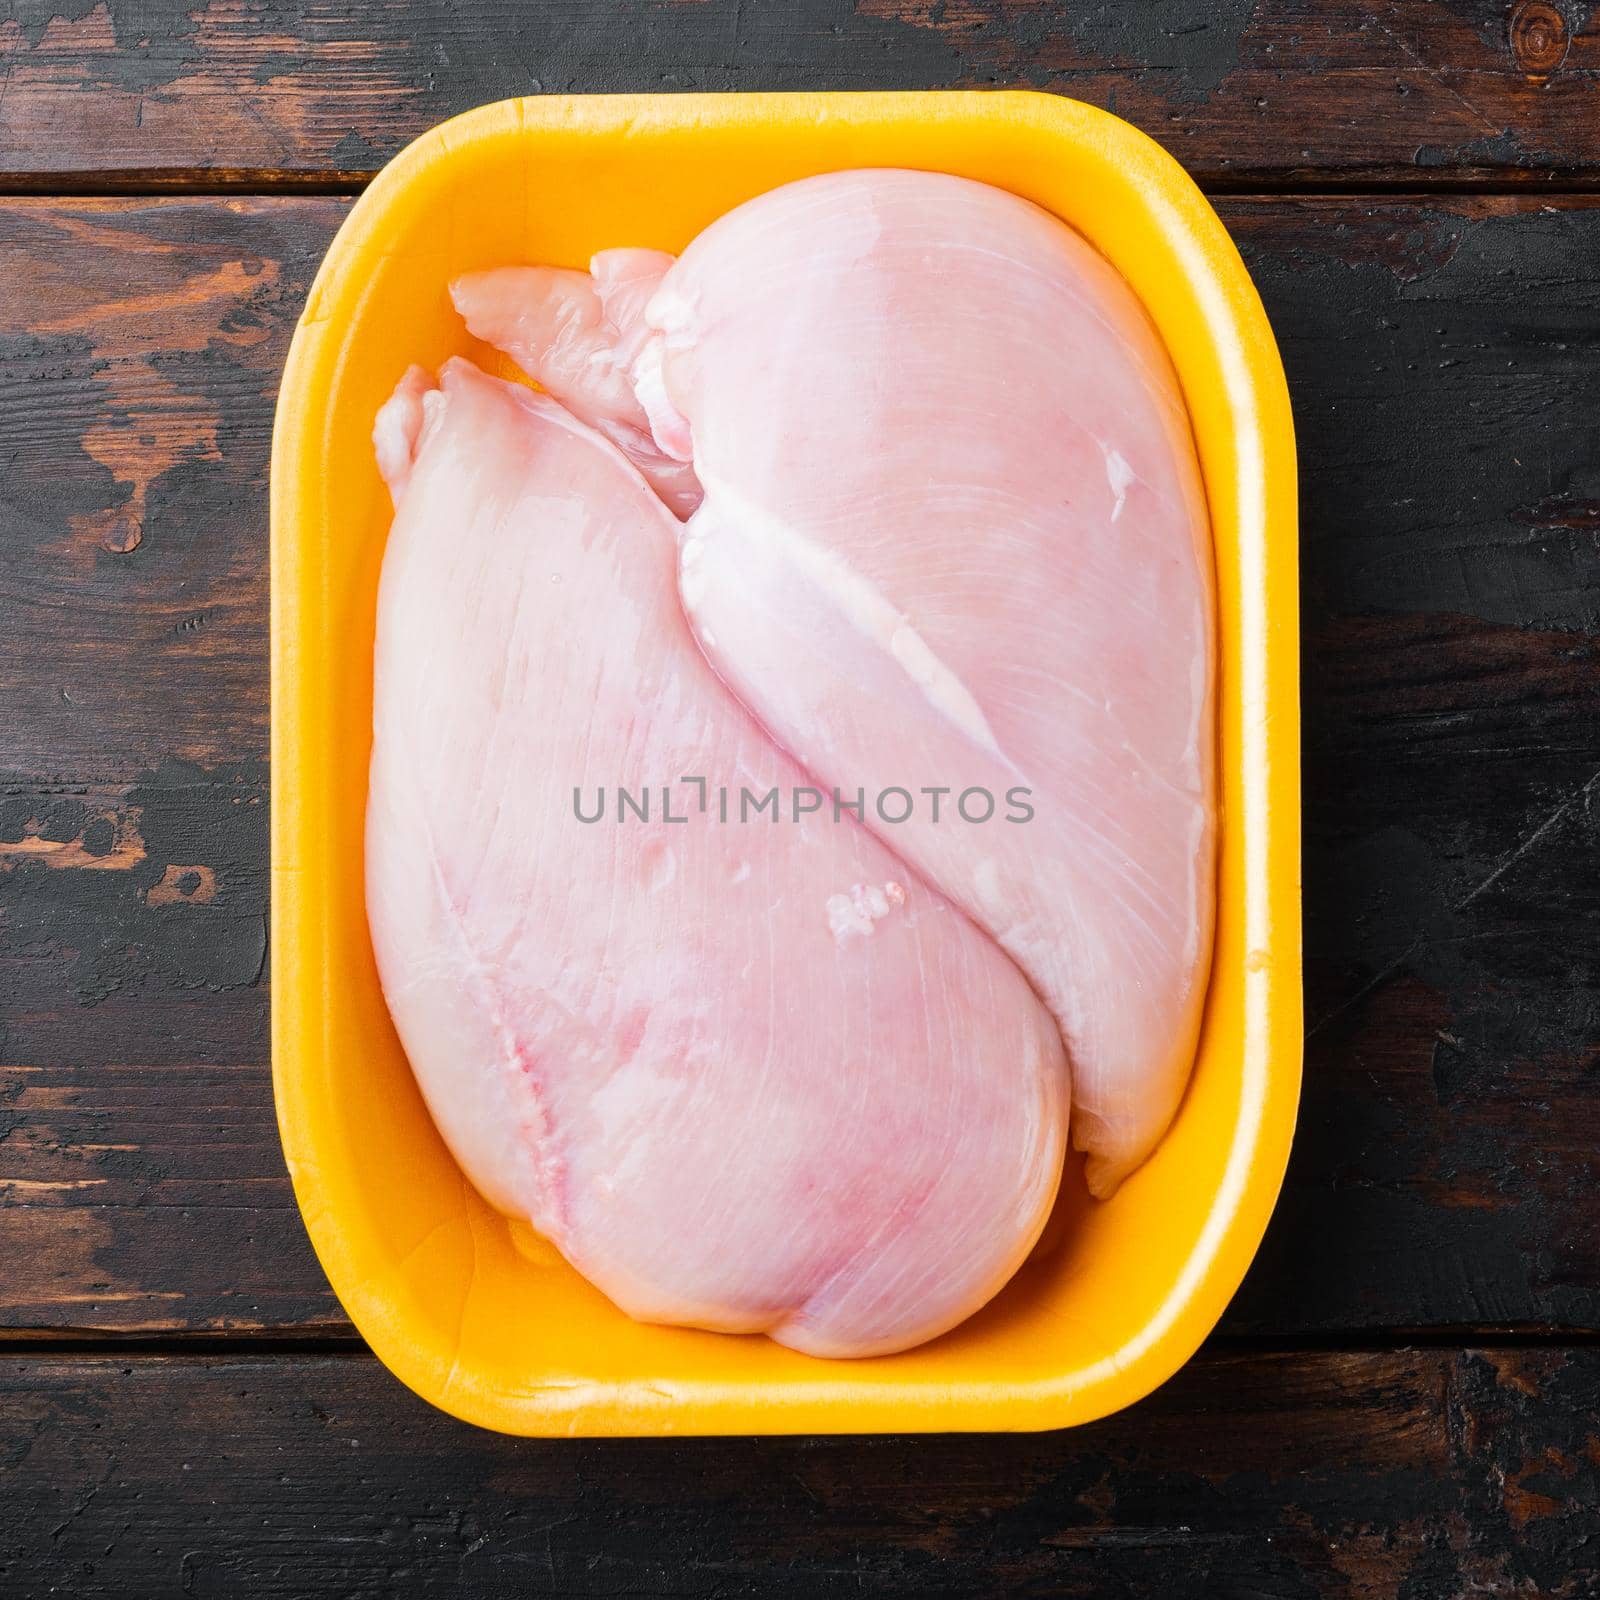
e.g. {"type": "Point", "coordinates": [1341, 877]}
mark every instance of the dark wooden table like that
{"type": "Point", "coordinates": [1402, 1400]}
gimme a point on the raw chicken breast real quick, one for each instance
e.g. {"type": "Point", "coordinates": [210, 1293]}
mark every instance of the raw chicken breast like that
{"type": "Point", "coordinates": [578, 334]}
{"type": "Point", "coordinates": [745, 1076]}
{"type": "Point", "coordinates": [954, 539]}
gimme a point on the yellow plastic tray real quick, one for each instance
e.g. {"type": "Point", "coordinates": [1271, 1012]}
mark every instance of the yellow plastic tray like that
{"type": "Point", "coordinates": [477, 1314]}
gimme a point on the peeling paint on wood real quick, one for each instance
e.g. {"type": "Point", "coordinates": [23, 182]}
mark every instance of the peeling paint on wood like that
{"type": "Point", "coordinates": [140, 347]}
{"type": "Point", "coordinates": [95, 840]}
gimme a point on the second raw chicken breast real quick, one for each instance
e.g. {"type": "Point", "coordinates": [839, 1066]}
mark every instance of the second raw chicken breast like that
{"type": "Point", "coordinates": [953, 541]}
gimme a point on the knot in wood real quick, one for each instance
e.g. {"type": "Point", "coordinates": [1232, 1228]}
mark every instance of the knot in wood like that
{"type": "Point", "coordinates": [1539, 38]}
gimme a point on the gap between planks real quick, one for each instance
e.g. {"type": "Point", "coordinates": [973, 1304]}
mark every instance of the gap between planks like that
{"type": "Point", "coordinates": [24, 1343]}
{"type": "Point", "coordinates": [252, 182]}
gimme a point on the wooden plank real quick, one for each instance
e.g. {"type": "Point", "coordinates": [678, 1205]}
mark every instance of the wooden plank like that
{"type": "Point", "coordinates": [1441, 359]}
{"type": "Point", "coordinates": [1442, 356]}
{"type": "Point", "coordinates": [1237, 88]}
{"type": "Point", "coordinates": [1431, 1474]}
{"type": "Point", "coordinates": [140, 1177]}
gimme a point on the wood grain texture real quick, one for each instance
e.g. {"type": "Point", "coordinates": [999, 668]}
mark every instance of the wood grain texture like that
{"type": "Point", "coordinates": [1442, 363]}
{"type": "Point", "coordinates": [1443, 360]}
{"type": "Point", "coordinates": [1430, 1475]}
{"type": "Point", "coordinates": [140, 1175]}
{"type": "Point", "coordinates": [1238, 89]}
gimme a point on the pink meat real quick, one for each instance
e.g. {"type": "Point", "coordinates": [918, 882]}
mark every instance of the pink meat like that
{"type": "Point", "coordinates": [953, 538]}
{"type": "Point", "coordinates": [747, 1077]}
{"type": "Point", "coordinates": [578, 335]}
